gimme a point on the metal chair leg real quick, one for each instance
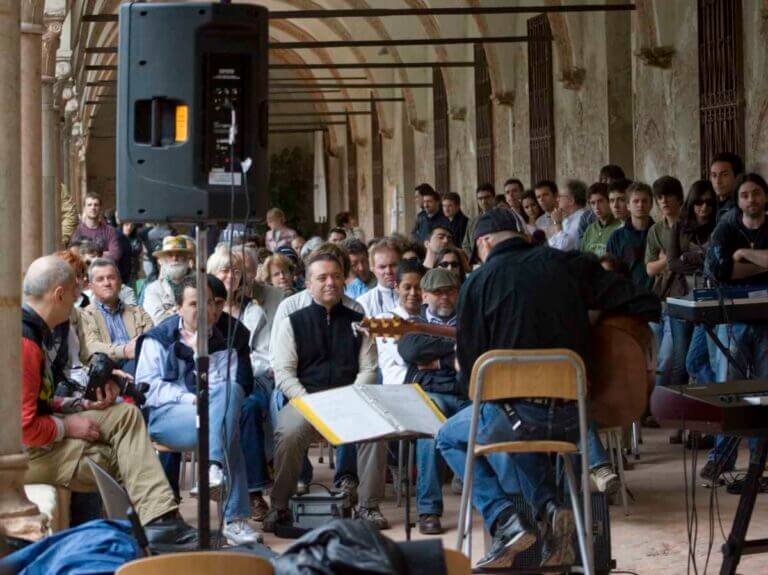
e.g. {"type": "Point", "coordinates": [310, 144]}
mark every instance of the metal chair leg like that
{"type": "Point", "coordinates": [321, 458]}
{"type": "Point", "coordinates": [397, 482]}
{"type": "Point", "coordinates": [581, 533]}
{"type": "Point", "coordinates": [636, 439]}
{"type": "Point", "coordinates": [622, 476]}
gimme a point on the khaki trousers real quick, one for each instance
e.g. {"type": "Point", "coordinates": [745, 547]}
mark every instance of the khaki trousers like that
{"type": "Point", "coordinates": [293, 436]}
{"type": "Point", "coordinates": [123, 450]}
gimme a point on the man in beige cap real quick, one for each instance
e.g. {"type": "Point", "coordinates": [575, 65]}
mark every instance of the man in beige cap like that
{"type": "Point", "coordinates": [160, 295]}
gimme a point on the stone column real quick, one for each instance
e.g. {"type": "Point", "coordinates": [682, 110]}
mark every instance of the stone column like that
{"type": "Point", "coordinates": [31, 132]}
{"type": "Point", "coordinates": [18, 517]}
{"type": "Point", "coordinates": [49, 118]}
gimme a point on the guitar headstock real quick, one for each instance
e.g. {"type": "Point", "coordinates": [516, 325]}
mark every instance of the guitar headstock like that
{"type": "Point", "coordinates": [394, 327]}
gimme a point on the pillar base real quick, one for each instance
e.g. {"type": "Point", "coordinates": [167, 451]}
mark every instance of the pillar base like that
{"type": "Point", "coordinates": [19, 517]}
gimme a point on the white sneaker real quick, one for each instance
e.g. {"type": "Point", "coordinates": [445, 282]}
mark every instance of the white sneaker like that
{"type": "Point", "coordinates": [605, 480]}
{"type": "Point", "coordinates": [239, 532]}
{"type": "Point", "coordinates": [215, 482]}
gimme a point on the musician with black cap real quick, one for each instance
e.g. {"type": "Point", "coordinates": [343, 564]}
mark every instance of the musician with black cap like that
{"type": "Point", "coordinates": [527, 297]}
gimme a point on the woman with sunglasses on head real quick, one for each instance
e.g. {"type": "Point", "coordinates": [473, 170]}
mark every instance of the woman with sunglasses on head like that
{"type": "Point", "coordinates": [688, 245]}
{"type": "Point", "coordinates": [454, 260]}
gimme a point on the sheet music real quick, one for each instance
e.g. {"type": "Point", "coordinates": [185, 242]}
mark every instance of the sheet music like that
{"type": "Point", "coordinates": [348, 414]}
{"type": "Point", "coordinates": [358, 413]}
{"type": "Point", "coordinates": [405, 407]}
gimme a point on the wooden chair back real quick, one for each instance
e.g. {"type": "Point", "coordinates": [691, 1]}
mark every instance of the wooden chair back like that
{"type": "Point", "coordinates": [511, 373]}
{"type": "Point", "coordinates": [202, 563]}
{"type": "Point", "coordinates": [457, 563]}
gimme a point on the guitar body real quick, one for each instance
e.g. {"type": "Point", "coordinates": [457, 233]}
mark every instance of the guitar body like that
{"type": "Point", "coordinates": [622, 363]}
{"type": "Point", "coordinates": [622, 370]}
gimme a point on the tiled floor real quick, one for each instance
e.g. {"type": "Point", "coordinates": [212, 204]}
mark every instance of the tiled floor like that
{"type": "Point", "coordinates": [651, 540]}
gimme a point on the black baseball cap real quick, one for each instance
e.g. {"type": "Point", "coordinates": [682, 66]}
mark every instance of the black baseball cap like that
{"type": "Point", "coordinates": [490, 222]}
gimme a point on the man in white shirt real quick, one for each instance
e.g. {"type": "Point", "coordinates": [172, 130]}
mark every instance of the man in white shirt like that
{"type": "Point", "coordinates": [384, 255]}
{"type": "Point", "coordinates": [566, 217]}
{"type": "Point", "coordinates": [546, 194]}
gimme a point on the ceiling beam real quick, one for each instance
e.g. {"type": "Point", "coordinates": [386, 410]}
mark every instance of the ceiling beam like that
{"type": "Point", "coordinates": [452, 11]}
{"type": "Point", "coordinates": [365, 85]}
{"type": "Point", "coordinates": [314, 78]}
{"type": "Point", "coordinates": [306, 124]}
{"type": "Point", "coordinates": [383, 12]}
{"type": "Point", "coordinates": [306, 91]}
{"type": "Point", "coordinates": [332, 100]}
{"type": "Point", "coordinates": [312, 113]}
{"type": "Point", "coordinates": [406, 42]}
{"type": "Point", "coordinates": [372, 65]}
{"type": "Point", "coordinates": [296, 130]}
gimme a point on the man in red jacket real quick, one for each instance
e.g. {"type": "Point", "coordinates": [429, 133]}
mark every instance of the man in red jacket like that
{"type": "Point", "coordinates": [61, 432]}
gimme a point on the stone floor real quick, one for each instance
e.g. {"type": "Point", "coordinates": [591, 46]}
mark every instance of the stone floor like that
{"type": "Point", "coordinates": [651, 540]}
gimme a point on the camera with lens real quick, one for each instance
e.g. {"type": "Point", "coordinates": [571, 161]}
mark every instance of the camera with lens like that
{"type": "Point", "coordinates": [100, 372]}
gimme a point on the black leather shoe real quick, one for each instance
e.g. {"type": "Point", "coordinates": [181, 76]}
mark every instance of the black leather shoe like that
{"type": "Point", "coordinates": [430, 524]}
{"type": "Point", "coordinates": [557, 535]}
{"type": "Point", "coordinates": [171, 531]}
{"type": "Point", "coordinates": [510, 538]}
{"type": "Point", "coordinates": [276, 518]}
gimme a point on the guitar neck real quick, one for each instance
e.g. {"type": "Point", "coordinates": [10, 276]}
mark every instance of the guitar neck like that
{"type": "Point", "coordinates": [433, 329]}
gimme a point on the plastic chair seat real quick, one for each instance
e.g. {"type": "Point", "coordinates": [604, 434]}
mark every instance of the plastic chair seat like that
{"type": "Point", "coordinates": [527, 447]}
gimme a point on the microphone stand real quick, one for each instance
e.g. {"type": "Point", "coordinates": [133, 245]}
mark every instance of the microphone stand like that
{"type": "Point", "coordinates": [202, 362]}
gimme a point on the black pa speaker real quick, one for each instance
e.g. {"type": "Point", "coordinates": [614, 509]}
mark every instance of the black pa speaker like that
{"type": "Point", "coordinates": [184, 71]}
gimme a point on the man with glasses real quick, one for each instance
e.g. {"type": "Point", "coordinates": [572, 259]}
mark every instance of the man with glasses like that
{"type": "Point", "coordinates": [484, 195]}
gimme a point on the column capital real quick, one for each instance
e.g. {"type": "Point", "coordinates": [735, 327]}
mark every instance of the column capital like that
{"type": "Point", "coordinates": [53, 24]}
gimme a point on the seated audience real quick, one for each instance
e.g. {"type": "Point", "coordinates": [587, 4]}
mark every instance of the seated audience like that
{"type": "Point", "coordinates": [60, 432]}
{"type": "Point", "coordinates": [430, 361]}
{"type": "Point", "coordinates": [439, 238]}
{"type": "Point", "coordinates": [302, 361]}
{"type": "Point", "coordinates": [381, 299]}
{"type": "Point", "coordinates": [596, 235]}
{"type": "Point", "coordinates": [89, 251]}
{"type": "Point", "coordinates": [566, 217]}
{"type": "Point", "coordinates": [514, 191]}
{"type": "Point", "coordinates": [160, 296]}
{"type": "Point", "coordinates": [546, 194]}
{"type": "Point", "coordinates": [278, 271]}
{"type": "Point", "coordinates": [360, 278]}
{"type": "Point", "coordinates": [531, 211]}
{"type": "Point", "coordinates": [337, 235]}
{"type": "Point", "coordinates": [454, 260]}
{"type": "Point", "coordinates": [167, 363]}
{"type": "Point", "coordinates": [109, 325]}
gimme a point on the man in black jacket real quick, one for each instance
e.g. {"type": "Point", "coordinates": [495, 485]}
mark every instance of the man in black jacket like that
{"type": "Point", "coordinates": [527, 297]}
{"type": "Point", "coordinates": [430, 362]}
{"type": "Point", "coordinates": [430, 215]}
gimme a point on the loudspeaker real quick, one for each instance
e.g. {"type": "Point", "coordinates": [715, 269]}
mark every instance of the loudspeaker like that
{"type": "Point", "coordinates": [184, 71]}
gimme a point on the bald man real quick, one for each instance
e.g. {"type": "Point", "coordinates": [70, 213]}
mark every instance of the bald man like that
{"type": "Point", "coordinates": [60, 433]}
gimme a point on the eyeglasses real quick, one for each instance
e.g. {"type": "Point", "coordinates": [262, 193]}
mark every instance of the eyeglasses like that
{"type": "Point", "coordinates": [710, 203]}
{"type": "Point", "coordinates": [444, 265]}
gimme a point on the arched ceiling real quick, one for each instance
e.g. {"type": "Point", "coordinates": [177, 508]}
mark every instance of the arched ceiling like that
{"type": "Point", "coordinates": [346, 29]}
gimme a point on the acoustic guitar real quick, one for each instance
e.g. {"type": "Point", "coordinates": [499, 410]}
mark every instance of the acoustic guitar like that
{"type": "Point", "coordinates": [621, 366]}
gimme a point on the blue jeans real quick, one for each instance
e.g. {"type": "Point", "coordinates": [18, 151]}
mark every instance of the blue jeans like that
{"type": "Point", "coordinates": [429, 488]}
{"type": "Point", "coordinates": [533, 470]}
{"type": "Point", "coordinates": [346, 455]}
{"type": "Point", "coordinates": [748, 344]}
{"type": "Point", "coordinates": [254, 412]}
{"type": "Point", "coordinates": [174, 425]}
{"type": "Point", "coordinates": [596, 453]}
{"type": "Point", "coordinates": [673, 337]}
{"type": "Point", "coordinates": [699, 360]}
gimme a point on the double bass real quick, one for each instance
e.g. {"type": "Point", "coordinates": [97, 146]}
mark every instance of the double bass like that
{"type": "Point", "coordinates": [621, 367]}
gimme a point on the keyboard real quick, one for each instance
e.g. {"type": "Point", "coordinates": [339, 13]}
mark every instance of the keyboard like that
{"type": "Point", "coordinates": [751, 309]}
